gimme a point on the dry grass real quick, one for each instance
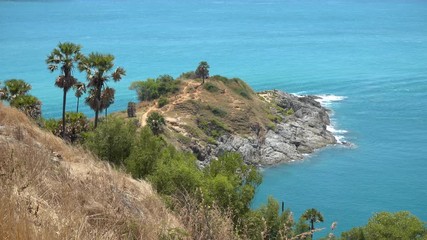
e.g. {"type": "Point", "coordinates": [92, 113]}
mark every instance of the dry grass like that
{"type": "Point", "coordinates": [51, 190]}
{"type": "Point", "coordinates": [203, 222]}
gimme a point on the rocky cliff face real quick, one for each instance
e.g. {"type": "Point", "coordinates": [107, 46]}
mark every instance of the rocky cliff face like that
{"type": "Point", "coordinates": [299, 131]}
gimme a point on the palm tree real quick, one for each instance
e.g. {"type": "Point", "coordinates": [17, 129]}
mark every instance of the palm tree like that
{"type": "Point", "coordinates": [202, 71]}
{"type": "Point", "coordinates": [313, 216]}
{"type": "Point", "coordinates": [14, 88]}
{"type": "Point", "coordinates": [80, 88]}
{"type": "Point", "coordinates": [64, 56]}
{"type": "Point", "coordinates": [97, 67]}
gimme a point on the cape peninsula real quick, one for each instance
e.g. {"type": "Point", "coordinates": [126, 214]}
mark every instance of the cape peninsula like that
{"type": "Point", "coordinates": [223, 114]}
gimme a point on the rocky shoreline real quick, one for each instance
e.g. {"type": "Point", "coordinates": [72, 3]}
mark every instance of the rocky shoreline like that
{"type": "Point", "coordinates": [298, 133]}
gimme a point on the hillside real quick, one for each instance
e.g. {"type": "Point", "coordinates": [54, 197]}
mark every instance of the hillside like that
{"type": "Point", "coordinates": [51, 190]}
{"type": "Point", "coordinates": [227, 115]}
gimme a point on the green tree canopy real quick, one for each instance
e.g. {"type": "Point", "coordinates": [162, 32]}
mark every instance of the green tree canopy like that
{"type": "Point", "coordinates": [13, 88]}
{"type": "Point", "coordinates": [202, 71]}
{"type": "Point", "coordinates": [231, 183]}
{"type": "Point", "coordinates": [98, 69]}
{"type": "Point", "coordinates": [64, 57]}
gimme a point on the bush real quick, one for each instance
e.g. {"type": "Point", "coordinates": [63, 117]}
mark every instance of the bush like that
{"type": "Point", "coordinates": [218, 111]}
{"type": "Point", "coordinates": [210, 87]}
{"type": "Point", "coordinates": [76, 125]}
{"type": "Point", "coordinates": [176, 172]}
{"type": "Point", "coordinates": [28, 104]}
{"type": "Point", "coordinates": [231, 184]}
{"type": "Point", "coordinates": [188, 75]}
{"type": "Point", "coordinates": [155, 122]}
{"type": "Point", "coordinates": [151, 89]}
{"type": "Point", "coordinates": [162, 102]}
{"type": "Point", "coordinates": [212, 128]}
{"type": "Point", "coordinates": [112, 140]}
{"type": "Point", "coordinates": [145, 154]}
{"type": "Point", "coordinates": [386, 225]}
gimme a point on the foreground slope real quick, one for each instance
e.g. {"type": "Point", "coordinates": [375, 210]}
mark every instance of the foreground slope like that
{"type": "Point", "coordinates": [51, 190]}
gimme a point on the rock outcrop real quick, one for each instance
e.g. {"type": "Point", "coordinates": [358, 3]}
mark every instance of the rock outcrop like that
{"type": "Point", "coordinates": [299, 131]}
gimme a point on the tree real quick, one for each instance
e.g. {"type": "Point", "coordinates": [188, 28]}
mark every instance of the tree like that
{"type": "Point", "coordinates": [64, 57]}
{"type": "Point", "coordinates": [312, 215]}
{"type": "Point", "coordinates": [13, 88]}
{"type": "Point", "coordinates": [15, 91]}
{"type": "Point", "coordinates": [145, 154]}
{"type": "Point", "coordinates": [97, 67]}
{"type": "Point", "coordinates": [112, 140]}
{"type": "Point", "coordinates": [399, 225]}
{"type": "Point", "coordinates": [79, 89]}
{"type": "Point", "coordinates": [202, 71]}
{"type": "Point", "coordinates": [156, 121]}
{"type": "Point", "coordinates": [28, 104]}
{"type": "Point", "coordinates": [231, 184]}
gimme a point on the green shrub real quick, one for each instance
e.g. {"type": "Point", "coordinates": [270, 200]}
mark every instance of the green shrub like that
{"type": "Point", "coordinates": [211, 87]}
{"type": "Point", "coordinates": [162, 101]}
{"type": "Point", "coordinates": [212, 128]}
{"type": "Point", "coordinates": [144, 154]}
{"type": "Point", "coordinates": [218, 111]}
{"type": "Point", "coordinates": [271, 126]}
{"type": "Point", "coordinates": [151, 89]}
{"type": "Point", "coordinates": [28, 104]}
{"type": "Point", "coordinates": [289, 112]}
{"type": "Point", "coordinates": [155, 122]}
{"type": "Point", "coordinates": [188, 75]}
{"type": "Point", "coordinates": [112, 140]}
{"type": "Point", "coordinates": [76, 125]}
{"type": "Point", "coordinates": [176, 172]}
{"type": "Point", "coordinates": [219, 78]}
{"type": "Point", "coordinates": [231, 184]}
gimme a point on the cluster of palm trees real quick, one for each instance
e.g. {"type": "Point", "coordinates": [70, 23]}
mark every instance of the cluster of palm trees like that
{"type": "Point", "coordinates": [98, 67]}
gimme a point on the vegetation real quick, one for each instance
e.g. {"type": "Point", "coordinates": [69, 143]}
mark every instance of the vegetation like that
{"type": "Point", "coordinates": [212, 127]}
{"type": "Point", "coordinates": [155, 122]}
{"type": "Point", "coordinates": [77, 125]}
{"type": "Point", "coordinates": [151, 89]}
{"type": "Point", "coordinates": [163, 101]}
{"type": "Point", "coordinates": [97, 67]}
{"type": "Point", "coordinates": [313, 216]}
{"type": "Point", "coordinates": [112, 140]}
{"type": "Point", "coordinates": [202, 71]}
{"type": "Point", "coordinates": [15, 91]}
{"type": "Point", "coordinates": [386, 225]}
{"type": "Point", "coordinates": [64, 57]}
{"type": "Point", "coordinates": [212, 202]}
{"type": "Point", "coordinates": [80, 89]}
{"type": "Point", "coordinates": [211, 87]}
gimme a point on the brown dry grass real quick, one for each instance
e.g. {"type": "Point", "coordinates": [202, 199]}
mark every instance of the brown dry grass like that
{"type": "Point", "coordinates": [51, 190]}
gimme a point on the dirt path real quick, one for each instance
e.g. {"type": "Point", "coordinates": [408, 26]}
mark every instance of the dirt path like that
{"type": "Point", "coordinates": [183, 96]}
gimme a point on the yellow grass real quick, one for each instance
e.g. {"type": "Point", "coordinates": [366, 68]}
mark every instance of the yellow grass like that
{"type": "Point", "coordinates": [51, 190]}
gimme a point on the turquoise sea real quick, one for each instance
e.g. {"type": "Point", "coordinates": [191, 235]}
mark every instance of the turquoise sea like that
{"type": "Point", "coordinates": [369, 56]}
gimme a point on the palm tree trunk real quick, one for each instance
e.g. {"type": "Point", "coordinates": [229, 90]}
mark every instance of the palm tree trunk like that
{"type": "Point", "coordinates": [312, 227]}
{"type": "Point", "coordinates": [78, 101]}
{"type": "Point", "coordinates": [98, 105]}
{"type": "Point", "coordinates": [64, 100]}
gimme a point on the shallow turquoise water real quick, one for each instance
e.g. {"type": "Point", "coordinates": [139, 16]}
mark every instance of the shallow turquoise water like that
{"type": "Point", "coordinates": [373, 53]}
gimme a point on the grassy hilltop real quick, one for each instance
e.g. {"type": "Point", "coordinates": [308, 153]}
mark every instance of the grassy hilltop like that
{"type": "Point", "coordinates": [202, 113]}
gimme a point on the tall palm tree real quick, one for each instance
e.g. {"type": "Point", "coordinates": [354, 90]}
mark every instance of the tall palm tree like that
{"type": "Point", "coordinates": [97, 67]}
{"type": "Point", "coordinates": [79, 89]}
{"type": "Point", "coordinates": [202, 71]}
{"type": "Point", "coordinates": [312, 215]}
{"type": "Point", "coordinates": [63, 57]}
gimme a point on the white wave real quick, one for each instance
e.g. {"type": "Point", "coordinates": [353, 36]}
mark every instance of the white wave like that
{"type": "Point", "coordinates": [327, 99]}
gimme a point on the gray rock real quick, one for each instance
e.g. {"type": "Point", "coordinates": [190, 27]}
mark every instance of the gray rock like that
{"type": "Point", "coordinates": [301, 133]}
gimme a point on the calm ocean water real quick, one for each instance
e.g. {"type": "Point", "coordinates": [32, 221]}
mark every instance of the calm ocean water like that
{"type": "Point", "coordinates": [372, 54]}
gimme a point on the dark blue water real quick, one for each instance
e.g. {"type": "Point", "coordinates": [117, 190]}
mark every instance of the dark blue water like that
{"type": "Point", "coordinates": [373, 53]}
